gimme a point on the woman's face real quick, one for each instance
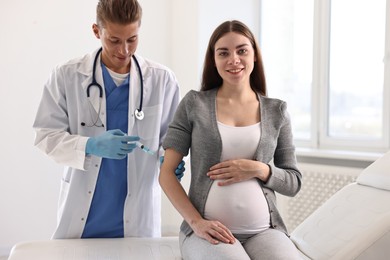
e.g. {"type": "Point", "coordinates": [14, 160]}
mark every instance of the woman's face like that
{"type": "Point", "coordinates": [119, 43]}
{"type": "Point", "coordinates": [234, 58]}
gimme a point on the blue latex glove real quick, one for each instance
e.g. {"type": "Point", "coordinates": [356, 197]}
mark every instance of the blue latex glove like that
{"type": "Point", "coordinates": [113, 144]}
{"type": "Point", "coordinates": [179, 172]}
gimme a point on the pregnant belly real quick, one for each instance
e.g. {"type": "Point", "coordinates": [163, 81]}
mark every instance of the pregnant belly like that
{"type": "Point", "coordinates": [241, 206]}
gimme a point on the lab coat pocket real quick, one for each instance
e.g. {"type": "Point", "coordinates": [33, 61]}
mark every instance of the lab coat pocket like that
{"type": "Point", "coordinates": [149, 127]}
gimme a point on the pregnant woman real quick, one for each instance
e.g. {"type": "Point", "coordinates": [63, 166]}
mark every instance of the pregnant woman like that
{"type": "Point", "coordinates": [242, 152]}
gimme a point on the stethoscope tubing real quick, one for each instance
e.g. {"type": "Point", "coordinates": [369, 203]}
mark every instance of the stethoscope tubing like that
{"type": "Point", "coordinates": [142, 86]}
{"type": "Point", "coordinates": [139, 114]}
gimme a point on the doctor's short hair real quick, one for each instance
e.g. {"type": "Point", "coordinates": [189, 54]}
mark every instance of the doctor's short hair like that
{"type": "Point", "coordinates": [210, 76]}
{"type": "Point", "coordinates": [118, 11]}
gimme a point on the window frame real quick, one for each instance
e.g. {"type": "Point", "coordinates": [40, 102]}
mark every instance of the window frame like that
{"type": "Point", "coordinates": [320, 88]}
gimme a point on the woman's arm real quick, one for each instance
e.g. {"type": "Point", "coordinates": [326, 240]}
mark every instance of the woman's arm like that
{"type": "Point", "coordinates": [212, 231]}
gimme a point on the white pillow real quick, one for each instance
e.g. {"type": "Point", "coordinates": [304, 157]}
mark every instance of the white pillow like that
{"type": "Point", "coordinates": [377, 174]}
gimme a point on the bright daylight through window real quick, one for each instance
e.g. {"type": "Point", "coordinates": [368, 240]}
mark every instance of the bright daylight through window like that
{"type": "Point", "coordinates": [328, 60]}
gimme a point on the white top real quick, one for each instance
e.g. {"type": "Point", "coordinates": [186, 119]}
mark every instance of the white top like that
{"type": "Point", "coordinates": [242, 206]}
{"type": "Point", "coordinates": [117, 77]}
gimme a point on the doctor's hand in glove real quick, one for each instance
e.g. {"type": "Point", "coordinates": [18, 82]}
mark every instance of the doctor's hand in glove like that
{"type": "Point", "coordinates": [113, 144]}
{"type": "Point", "coordinates": [179, 172]}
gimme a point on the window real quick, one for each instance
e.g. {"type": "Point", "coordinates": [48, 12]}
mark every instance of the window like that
{"type": "Point", "coordinates": [329, 61]}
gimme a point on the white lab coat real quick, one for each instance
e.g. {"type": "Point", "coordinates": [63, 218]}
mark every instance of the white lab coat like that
{"type": "Point", "coordinates": [60, 134]}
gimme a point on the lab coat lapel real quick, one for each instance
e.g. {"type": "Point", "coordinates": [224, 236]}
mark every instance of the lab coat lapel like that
{"type": "Point", "coordinates": [94, 92]}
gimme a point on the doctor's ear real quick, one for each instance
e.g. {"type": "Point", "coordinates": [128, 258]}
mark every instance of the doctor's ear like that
{"type": "Point", "coordinates": [96, 31]}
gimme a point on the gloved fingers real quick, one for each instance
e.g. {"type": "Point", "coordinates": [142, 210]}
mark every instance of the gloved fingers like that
{"type": "Point", "coordinates": [121, 156]}
{"type": "Point", "coordinates": [180, 171]}
{"type": "Point", "coordinates": [126, 151]}
{"type": "Point", "coordinates": [179, 176]}
{"type": "Point", "coordinates": [181, 165]}
{"type": "Point", "coordinates": [130, 138]}
{"type": "Point", "coordinates": [128, 147]}
{"type": "Point", "coordinates": [116, 156]}
{"type": "Point", "coordinates": [116, 132]}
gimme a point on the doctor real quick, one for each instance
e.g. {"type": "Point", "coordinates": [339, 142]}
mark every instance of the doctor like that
{"type": "Point", "coordinates": [93, 111]}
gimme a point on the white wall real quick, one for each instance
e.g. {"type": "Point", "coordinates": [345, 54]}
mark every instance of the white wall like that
{"type": "Point", "coordinates": [37, 35]}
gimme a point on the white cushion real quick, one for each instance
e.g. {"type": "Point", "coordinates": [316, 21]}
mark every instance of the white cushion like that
{"type": "Point", "coordinates": [353, 221]}
{"type": "Point", "coordinates": [377, 174]}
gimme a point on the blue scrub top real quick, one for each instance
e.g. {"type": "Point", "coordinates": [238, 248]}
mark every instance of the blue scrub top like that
{"type": "Point", "coordinates": [105, 218]}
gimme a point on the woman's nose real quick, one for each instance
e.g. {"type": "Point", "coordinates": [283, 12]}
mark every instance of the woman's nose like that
{"type": "Point", "coordinates": [234, 59]}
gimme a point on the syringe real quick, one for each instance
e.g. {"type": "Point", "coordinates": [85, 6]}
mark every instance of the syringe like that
{"type": "Point", "coordinates": [144, 148]}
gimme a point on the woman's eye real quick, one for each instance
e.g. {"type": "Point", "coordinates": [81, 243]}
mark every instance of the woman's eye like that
{"type": "Point", "coordinates": [242, 51]}
{"type": "Point", "coordinates": [222, 53]}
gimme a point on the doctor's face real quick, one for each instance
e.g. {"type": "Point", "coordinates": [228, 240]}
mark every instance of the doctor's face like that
{"type": "Point", "coordinates": [119, 43]}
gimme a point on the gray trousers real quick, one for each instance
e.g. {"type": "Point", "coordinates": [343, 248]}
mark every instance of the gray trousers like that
{"type": "Point", "coordinates": [269, 244]}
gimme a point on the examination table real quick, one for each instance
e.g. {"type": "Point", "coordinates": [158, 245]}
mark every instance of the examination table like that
{"type": "Point", "coordinates": [165, 248]}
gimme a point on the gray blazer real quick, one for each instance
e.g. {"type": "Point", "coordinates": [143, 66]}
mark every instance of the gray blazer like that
{"type": "Point", "coordinates": [195, 127]}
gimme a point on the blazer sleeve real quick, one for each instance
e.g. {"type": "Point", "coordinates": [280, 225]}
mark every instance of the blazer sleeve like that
{"type": "Point", "coordinates": [285, 176]}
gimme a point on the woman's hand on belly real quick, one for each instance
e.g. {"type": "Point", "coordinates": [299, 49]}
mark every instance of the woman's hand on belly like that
{"type": "Point", "coordinates": [233, 171]}
{"type": "Point", "coordinates": [212, 231]}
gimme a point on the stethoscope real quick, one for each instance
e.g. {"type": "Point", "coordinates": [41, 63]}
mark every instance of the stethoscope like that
{"type": "Point", "coordinates": [138, 113]}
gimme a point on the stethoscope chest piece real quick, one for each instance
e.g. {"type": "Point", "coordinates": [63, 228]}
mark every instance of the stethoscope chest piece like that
{"type": "Point", "coordinates": [139, 114]}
